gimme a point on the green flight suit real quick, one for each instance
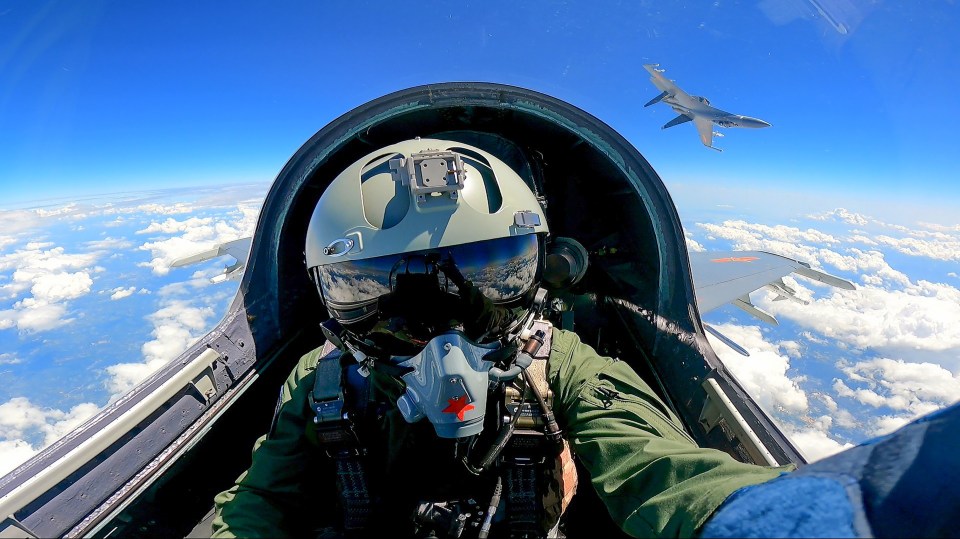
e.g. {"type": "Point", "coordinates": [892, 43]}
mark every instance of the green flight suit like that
{"type": "Point", "coordinates": [652, 477]}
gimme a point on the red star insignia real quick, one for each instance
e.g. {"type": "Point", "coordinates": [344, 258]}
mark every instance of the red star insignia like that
{"type": "Point", "coordinates": [457, 405]}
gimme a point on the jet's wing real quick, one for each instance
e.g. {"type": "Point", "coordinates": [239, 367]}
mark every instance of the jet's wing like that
{"type": "Point", "coordinates": [663, 83]}
{"type": "Point", "coordinates": [730, 277]}
{"type": "Point", "coordinates": [705, 128]}
{"type": "Point", "coordinates": [239, 249]}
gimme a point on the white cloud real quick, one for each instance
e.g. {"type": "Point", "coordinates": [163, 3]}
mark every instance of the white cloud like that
{"type": "Point", "coordinates": [62, 210]}
{"type": "Point", "coordinates": [28, 428]}
{"type": "Point", "coordinates": [843, 215]}
{"type": "Point", "coordinates": [120, 292]}
{"type": "Point", "coordinates": [9, 359]}
{"type": "Point", "coordinates": [196, 226]}
{"type": "Point", "coordinates": [764, 373]}
{"type": "Point", "coordinates": [34, 258]}
{"type": "Point", "coordinates": [938, 247]}
{"type": "Point", "coordinates": [149, 208]}
{"type": "Point", "coordinates": [911, 323]}
{"type": "Point", "coordinates": [34, 263]}
{"type": "Point", "coordinates": [814, 442]}
{"type": "Point", "coordinates": [744, 231]}
{"type": "Point", "coordinates": [38, 280]}
{"type": "Point", "coordinates": [692, 244]}
{"type": "Point", "coordinates": [780, 239]}
{"type": "Point", "coordinates": [196, 234]}
{"type": "Point", "coordinates": [165, 209]}
{"type": "Point", "coordinates": [791, 348]}
{"type": "Point", "coordinates": [14, 453]}
{"type": "Point", "coordinates": [61, 286]}
{"type": "Point", "coordinates": [15, 222]}
{"type": "Point", "coordinates": [30, 315]}
{"type": "Point", "coordinates": [939, 228]}
{"type": "Point", "coordinates": [176, 326]}
{"type": "Point", "coordinates": [931, 240]}
{"type": "Point", "coordinates": [860, 238]}
{"type": "Point", "coordinates": [871, 265]}
{"type": "Point", "coordinates": [909, 389]}
{"type": "Point", "coordinates": [44, 271]}
{"type": "Point", "coordinates": [109, 244]}
{"type": "Point", "coordinates": [886, 424]}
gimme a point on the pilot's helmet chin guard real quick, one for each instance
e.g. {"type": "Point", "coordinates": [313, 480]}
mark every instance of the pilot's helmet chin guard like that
{"type": "Point", "coordinates": [423, 236]}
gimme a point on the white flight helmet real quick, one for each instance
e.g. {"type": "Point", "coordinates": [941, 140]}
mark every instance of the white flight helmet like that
{"type": "Point", "coordinates": [428, 233]}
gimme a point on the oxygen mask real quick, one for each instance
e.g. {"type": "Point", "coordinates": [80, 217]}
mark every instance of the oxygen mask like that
{"type": "Point", "coordinates": [448, 385]}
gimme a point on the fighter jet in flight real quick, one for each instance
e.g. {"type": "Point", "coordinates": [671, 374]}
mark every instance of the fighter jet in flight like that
{"type": "Point", "coordinates": [695, 108]}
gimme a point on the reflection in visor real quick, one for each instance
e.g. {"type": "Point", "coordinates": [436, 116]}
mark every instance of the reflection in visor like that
{"type": "Point", "coordinates": [502, 270]}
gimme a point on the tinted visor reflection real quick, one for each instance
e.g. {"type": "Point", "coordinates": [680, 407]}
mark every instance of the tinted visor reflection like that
{"type": "Point", "coordinates": [502, 270]}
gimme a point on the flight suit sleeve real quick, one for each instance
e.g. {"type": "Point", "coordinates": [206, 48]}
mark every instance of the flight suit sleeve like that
{"type": "Point", "coordinates": [268, 497]}
{"type": "Point", "coordinates": [652, 477]}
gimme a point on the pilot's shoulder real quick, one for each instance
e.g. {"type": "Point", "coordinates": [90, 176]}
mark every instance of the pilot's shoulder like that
{"type": "Point", "coordinates": [565, 342]}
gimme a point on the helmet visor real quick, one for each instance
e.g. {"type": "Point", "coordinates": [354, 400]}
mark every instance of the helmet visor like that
{"type": "Point", "coordinates": [503, 270]}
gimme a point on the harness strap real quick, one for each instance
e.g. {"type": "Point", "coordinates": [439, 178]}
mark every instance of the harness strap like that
{"type": "Point", "coordinates": [537, 484]}
{"type": "Point", "coordinates": [541, 477]}
{"type": "Point", "coordinates": [352, 489]}
{"type": "Point", "coordinates": [336, 436]}
{"type": "Point", "coordinates": [522, 503]}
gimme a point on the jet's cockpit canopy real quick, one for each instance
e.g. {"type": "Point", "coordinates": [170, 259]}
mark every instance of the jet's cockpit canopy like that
{"type": "Point", "coordinates": [133, 468]}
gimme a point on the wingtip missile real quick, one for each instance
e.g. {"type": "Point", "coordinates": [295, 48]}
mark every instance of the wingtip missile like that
{"type": "Point", "coordinates": [825, 278]}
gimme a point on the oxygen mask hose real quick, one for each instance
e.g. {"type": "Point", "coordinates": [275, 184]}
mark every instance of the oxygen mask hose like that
{"type": "Point", "coordinates": [492, 509]}
{"type": "Point", "coordinates": [498, 444]}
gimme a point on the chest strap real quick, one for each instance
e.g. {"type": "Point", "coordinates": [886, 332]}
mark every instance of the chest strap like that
{"type": "Point", "coordinates": [338, 439]}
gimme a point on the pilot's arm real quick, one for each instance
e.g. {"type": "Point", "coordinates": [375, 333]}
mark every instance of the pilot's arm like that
{"type": "Point", "coordinates": [268, 499]}
{"type": "Point", "coordinates": [652, 477]}
{"type": "Point", "coordinates": [655, 481]}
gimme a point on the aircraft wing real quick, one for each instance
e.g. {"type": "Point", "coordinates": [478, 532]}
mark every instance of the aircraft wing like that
{"type": "Point", "coordinates": [238, 249]}
{"type": "Point", "coordinates": [730, 277]}
{"type": "Point", "coordinates": [705, 128]}
{"type": "Point", "coordinates": [662, 83]}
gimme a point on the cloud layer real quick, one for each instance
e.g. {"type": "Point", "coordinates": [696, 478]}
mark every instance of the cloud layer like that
{"type": "Point", "coordinates": [41, 282]}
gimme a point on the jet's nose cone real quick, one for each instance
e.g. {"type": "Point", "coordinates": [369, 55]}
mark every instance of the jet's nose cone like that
{"type": "Point", "coordinates": [747, 121]}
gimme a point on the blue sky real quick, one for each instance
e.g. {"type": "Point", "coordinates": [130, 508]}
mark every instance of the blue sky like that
{"type": "Point", "coordinates": [121, 97]}
{"type": "Point", "coordinates": [100, 97]}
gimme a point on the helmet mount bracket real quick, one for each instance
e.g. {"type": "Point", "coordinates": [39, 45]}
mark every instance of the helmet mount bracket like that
{"type": "Point", "coordinates": [430, 174]}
